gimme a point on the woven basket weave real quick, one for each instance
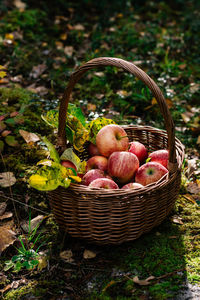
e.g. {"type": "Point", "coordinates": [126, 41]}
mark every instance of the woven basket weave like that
{"type": "Point", "coordinates": [117, 216]}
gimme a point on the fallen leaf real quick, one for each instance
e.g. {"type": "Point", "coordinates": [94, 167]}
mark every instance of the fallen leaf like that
{"type": "Point", "coordinates": [63, 36]}
{"type": "Point", "coordinates": [79, 27]}
{"type": "Point", "coordinates": [5, 133]}
{"type": "Point", "coordinates": [190, 198]}
{"type": "Point", "coordinates": [193, 188]}
{"type": "Point", "coordinates": [8, 236]}
{"type": "Point", "coordinates": [144, 281]}
{"type": "Point", "coordinates": [112, 282]}
{"type": "Point", "coordinates": [7, 179]}
{"type": "Point", "coordinates": [99, 74]}
{"type": "Point", "coordinates": [3, 206]}
{"type": "Point", "coordinates": [6, 215]}
{"type": "Point", "coordinates": [68, 50]}
{"type": "Point", "coordinates": [59, 45]}
{"type": "Point", "coordinates": [122, 93]}
{"type": "Point", "coordinates": [194, 87]}
{"type": "Point", "coordinates": [16, 283]}
{"type": "Point", "coordinates": [192, 166]}
{"type": "Point", "coordinates": [182, 66]}
{"type": "Point", "coordinates": [38, 70]}
{"type": "Point", "coordinates": [67, 256]}
{"type": "Point", "coordinates": [11, 141]}
{"type": "Point", "coordinates": [187, 116]}
{"type": "Point", "coordinates": [177, 220]}
{"type": "Point", "coordinates": [14, 114]}
{"type": "Point", "coordinates": [91, 106]}
{"type": "Point", "coordinates": [29, 136]}
{"type": "Point", "coordinates": [20, 5]}
{"type": "Point", "coordinates": [43, 262]}
{"type": "Point", "coordinates": [34, 222]}
{"type": "Point", "coordinates": [88, 254]}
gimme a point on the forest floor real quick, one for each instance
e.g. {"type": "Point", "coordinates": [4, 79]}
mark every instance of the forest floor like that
{"type": "Point", "coordinates": [40, 45]}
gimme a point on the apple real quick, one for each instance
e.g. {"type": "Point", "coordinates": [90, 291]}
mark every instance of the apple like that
{"type": "Point", "coordinates": [149, 173]}
{"type": "Point", "coordinates": [97, 162]}
{"type": "Point", "coordinates": [93, 150]}
{"type": "Point", "coordinates": [103, 183]}
{"type": "Point", "coordinates": [92, 175]}
{"type": "Point", "coordinates": [122, 165]}
{"type": "Point", "coordinates": [139, 150]}
{"type": "Point", "coordinates": [68, 164]}
{"type": "Point", "coordinates": [160, 156]}
{"type": "Point", "coordinates": [111, 138]}
{"type": "Point", "coordinates": [132, 185]}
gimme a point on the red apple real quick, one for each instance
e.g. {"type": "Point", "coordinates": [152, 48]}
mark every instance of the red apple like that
{"type": "Point", "coordinates": [122, 166]}
{"type": "Point", "coordinates": [111, 138]}
{"type": "Point", "coordinates": [103, 183]}
{"type": "Point", "coordinates": [149, 173]}
{"type": "Point", "coordinates": [68, 164]}
{"type": "Point", "coordinates": [93, 150]}
{"type": "Point", "coordinates": [139, 150]}
{"type": "Point", "coordinates": [160, 156]}
{"type": "Point", "coordinates": [92, 175]}
{"type": "Point", "coordinates": [97, 162]}
{"type": "Point", "coordinates": [132, 185]}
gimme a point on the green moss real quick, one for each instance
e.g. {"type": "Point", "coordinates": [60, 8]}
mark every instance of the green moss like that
{"type": "Point", "coordinates": [20, 292]}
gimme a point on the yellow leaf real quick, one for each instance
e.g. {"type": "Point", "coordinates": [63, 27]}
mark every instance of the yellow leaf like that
{"type": "Point", "coordinates": [9, 36]}
{"type": "Point", "coordinates": [76, 178]}
{"type": "Point", "coordinates": [87, 254]}
{"type": "Point", "coordinates": [2, 74]}
{"type": "Point", "coordinates": [37, 180]}
{"type": "Point", "coordinates": [63, 36]}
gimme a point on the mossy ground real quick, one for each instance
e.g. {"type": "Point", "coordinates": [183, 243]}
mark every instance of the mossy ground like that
{"type": "Point", "coordinates": [154, 34]}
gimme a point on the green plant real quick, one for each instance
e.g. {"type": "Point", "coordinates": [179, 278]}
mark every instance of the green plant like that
{"type": "Point", "coordinates": [26, 256]}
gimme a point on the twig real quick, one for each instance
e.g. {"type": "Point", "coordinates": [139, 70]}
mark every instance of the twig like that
{"type": "Point", "coordinates": [9, 198]}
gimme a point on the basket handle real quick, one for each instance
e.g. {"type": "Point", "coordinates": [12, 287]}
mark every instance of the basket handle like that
{"type": "Point", "coordinates": [140, 74]}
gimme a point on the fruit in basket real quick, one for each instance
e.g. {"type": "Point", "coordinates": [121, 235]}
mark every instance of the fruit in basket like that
{"type": "Point", "coordinates": [97, 162]}
{"type": "Point", "coordinates": [111, 138]}
{"type": "Point", "coordinates": [103, 183]}
{"type": "Point", "coordinates": [139, 150]}
{"type": "Point", "coordinates": [93, 150]}
{"type": "Point", "coordinates": [92, 175]}
{"type": "Point", "coordinates": [160, 156]}
{"type": "Point", "coordinates": [132, 185]}
{"type": "Point", "coordinates": [68, 164]}
{"type": "Point", "coordinates": [122, 166]}
{"type": "Point", "coordinates": [150, 173]}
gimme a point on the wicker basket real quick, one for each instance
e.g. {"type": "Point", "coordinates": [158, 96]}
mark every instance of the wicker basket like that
{"type": "Point", "coordinates": [116, 216]}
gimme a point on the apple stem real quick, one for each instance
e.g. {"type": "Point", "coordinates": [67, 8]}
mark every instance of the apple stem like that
{"type": "Point", "coordinates": [122, 137]}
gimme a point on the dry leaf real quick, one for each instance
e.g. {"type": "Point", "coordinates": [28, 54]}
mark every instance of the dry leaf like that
{"type": "Point", "coordinates": [38, 70]}
{"type": "Point", "coordinates": [29, 136]}
{"type": "Point", "coordinates": [144, 281]}
{"type": "Point", "coordinates": [67, 256]}
{"type": "Point", "coordinates": [192, 165]}
{"type": "Point", "coordinates": [177, 220]}
{"type": "Point", "coordinates": [91, 106]}
{"type": "Point", "coordinates": [99, 74]}
{"type": "Point", "coordinates": [34, 222]}
{"type": "Point", "coordinates": [42, 262]}
{"type": "Point", "coordinates": [190, 198]}
{"type": "Point", "coordinates": [193, 188]}
{"type": "Point", "coordinates": [7, 215]}
{"type": "Point", "coordinates": [122, 93]}
{"type": "Point", "coordinates": [68, 50]}
{"type": "Point", "coordinates": [79, 27]}
{"type": "Point", "coordinates": [7, 179]}
{"type": "Point", "coordinates": [63, 36]}
{"type": "Point", "coordinates": [20, 5]}
{"type": "Point", "coordinates": [8, 236]}
{"type": "Point", "coordinates": [194, 87]}
{"type": "Point", "coordinates": [88, 254]}
{"type": "Point", "coordinates": [187, 116]}
{"type": "Point", "coordinates": [3, 206]}
{"type": "Point", "coordinates": [182, 66]}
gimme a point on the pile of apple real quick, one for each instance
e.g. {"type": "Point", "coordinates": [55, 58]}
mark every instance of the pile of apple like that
{"type": "Point", "coordinates": [117, 163]}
